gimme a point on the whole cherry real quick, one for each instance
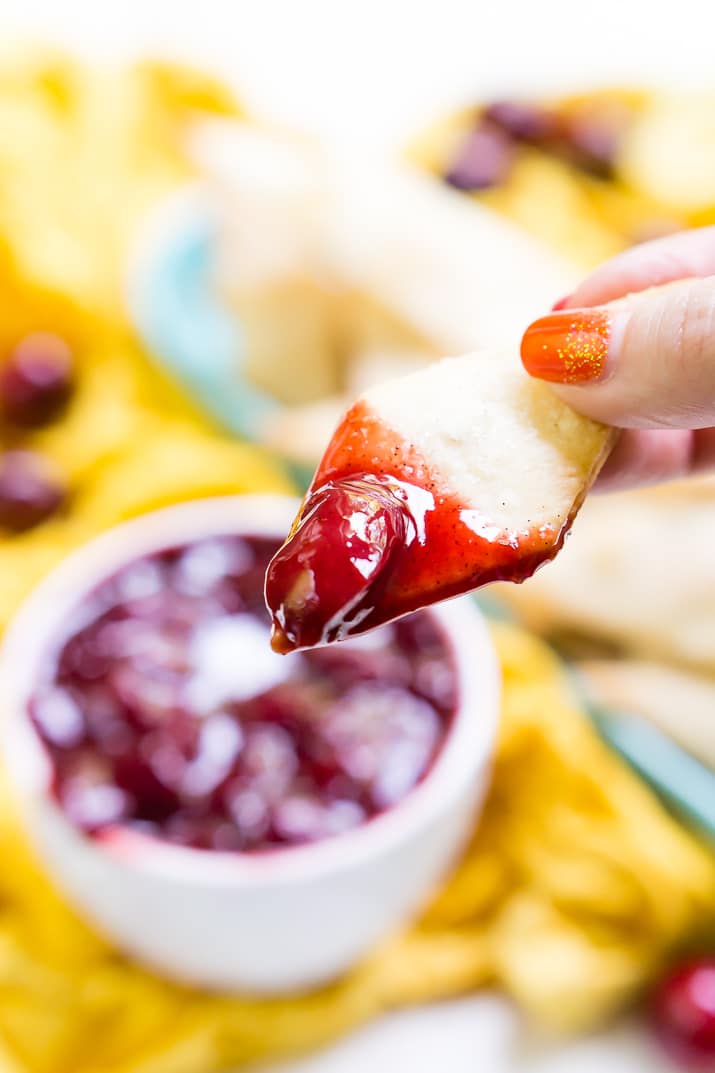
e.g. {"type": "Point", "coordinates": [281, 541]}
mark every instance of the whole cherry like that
{"type": "Point", "coordinates": [683, 1013]}
{"type": "Point", "coordinates": [523, 120]}
{"type": "Point", "coordinates": [36, 380]}
{"type": "Point", "coordinates": [29, 491]}
{"type": "Point", "coordinates": [484, 159]}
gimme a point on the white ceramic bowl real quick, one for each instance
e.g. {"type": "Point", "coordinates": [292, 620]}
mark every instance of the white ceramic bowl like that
{"type": "Point", "coordinates": [279, 921]}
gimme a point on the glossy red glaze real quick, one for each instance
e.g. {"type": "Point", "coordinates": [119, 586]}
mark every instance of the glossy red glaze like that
{"type": "Point", "coordinates": [349, 532]}
{"type": "Point", "coordinates": [428, 544]}
{"type": "Point", "coordinates": [165, 709]}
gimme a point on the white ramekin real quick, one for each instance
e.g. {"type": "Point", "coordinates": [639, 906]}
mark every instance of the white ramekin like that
{"type": "Point", "coordinates": [278, 921]}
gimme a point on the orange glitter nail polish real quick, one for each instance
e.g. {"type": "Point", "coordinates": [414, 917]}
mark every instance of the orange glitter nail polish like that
{"type": "Point", "coordinates": [568, 347]}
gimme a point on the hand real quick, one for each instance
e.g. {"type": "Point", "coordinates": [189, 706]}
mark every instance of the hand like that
{"type": "Point", "coordinates": [634, 347]}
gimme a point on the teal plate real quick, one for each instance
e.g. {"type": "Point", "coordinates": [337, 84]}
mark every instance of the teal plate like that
{"type": "Point", "coordinates": [685, 784]}
{"type": "Point", "coordinates": [175, 309]}
{"type": "Point", "coordinates": [174, 306]}
{"type": "Point", "coordinates": [682, 782]}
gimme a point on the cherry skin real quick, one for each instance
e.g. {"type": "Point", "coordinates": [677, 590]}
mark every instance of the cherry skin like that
{"type": "Point", "coordinates": [29, 493]}
{"type": "Point", "coordinates": [322, 582]}
{"type": "Point", "coordinates": [683, 1013]}
{"type": "Point", "coordinates": [36, 381]}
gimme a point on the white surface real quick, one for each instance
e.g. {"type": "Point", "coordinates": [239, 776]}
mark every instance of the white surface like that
{"type": "Point", "coordinates": [477, 1035]}
{"type": "Point", "coordinates": [366, 72]}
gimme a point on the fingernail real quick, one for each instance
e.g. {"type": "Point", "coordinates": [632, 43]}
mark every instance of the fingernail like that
{"type": "Point", "coordinates": [561, 304]}
{"type": "Point", "coordinates": [567, 347]}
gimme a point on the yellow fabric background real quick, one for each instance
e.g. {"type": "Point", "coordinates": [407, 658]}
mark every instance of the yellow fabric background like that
{"type": "Point", "coordinates": [575, 887]}
{"type": "Point", "coordinates": [577, 884]}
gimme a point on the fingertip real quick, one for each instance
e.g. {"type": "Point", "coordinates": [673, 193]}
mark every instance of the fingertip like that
{"type": "Point", "coordinates": [649, 264]}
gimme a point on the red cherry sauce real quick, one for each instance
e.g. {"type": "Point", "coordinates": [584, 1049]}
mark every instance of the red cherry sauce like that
{"type": "Point", "coordinates": [165, 709]}
{"type": "Point", "coordinates": [378, 536]}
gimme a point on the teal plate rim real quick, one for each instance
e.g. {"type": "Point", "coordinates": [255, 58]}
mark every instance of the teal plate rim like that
{"type": "Point", "coordinates": [174, 306]}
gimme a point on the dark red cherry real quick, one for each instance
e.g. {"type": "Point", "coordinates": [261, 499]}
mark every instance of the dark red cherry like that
{"type": "Point", "coordinates": [523, 121]}
{"type": "Point", "coordinates": [684, 1014]}
{"type": "Point", "coordinates": [484, 159]}
{"type": "Point", "coordinates": [29, 492]}
{"type": "Point", "coordinates": [319, 584]}
{"type": "Point", "coordinates": [592, 143]}
{"type": "Point", "coordinates": [36, 380]}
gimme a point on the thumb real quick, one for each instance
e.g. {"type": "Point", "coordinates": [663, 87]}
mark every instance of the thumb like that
{"type": "Point", "coordinates": [644, 361]}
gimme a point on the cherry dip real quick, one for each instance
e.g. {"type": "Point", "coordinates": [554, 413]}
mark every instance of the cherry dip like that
{"type": "Point", "coordinates": [164, 709]}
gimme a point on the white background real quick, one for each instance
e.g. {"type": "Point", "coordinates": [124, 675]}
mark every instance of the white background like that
{"type": "Point", "coordinates": [370, 69]}
{"type": "Point", "coordinates": [369, 73]}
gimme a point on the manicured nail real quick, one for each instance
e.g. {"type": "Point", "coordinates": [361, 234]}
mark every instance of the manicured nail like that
{"type": "Point", "coordinates": [567, 347]}
{"type": "Point", "coordinates": [561, 304]}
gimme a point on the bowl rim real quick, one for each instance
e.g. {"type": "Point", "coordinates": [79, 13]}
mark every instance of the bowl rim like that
{"type": "Point", "coordinates": [36, 626]}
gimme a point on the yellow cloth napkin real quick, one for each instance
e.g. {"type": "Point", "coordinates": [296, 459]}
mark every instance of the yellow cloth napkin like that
{"type": "Point", "coordinates": [84, 156]}
{"type": "Point", "coordinates": [575, 887]}
{"type": "Point", "coordinates": [577, 884]}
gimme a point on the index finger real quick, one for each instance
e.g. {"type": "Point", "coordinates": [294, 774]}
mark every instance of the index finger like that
{"type": "Point", "coordinates": [683, 256]}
